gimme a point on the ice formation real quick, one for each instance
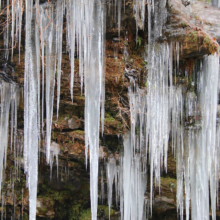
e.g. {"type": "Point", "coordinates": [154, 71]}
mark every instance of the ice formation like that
{"type": "Point", "coordinates": [197, 157]}
{"type": "Point", "coordinates": [9, 94]}
{"type": "Point", "coordinates": [31, 135]}
{"type": "Point", "coordinates": [54, 152]}
{"type": "Point", "coordinates": [155, 111]}
{"type": "Point", "coordinates": [130, 182]}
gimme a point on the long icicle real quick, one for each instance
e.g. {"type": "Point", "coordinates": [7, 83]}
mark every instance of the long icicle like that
{"type": "Point", "coordinates": [30, 113]}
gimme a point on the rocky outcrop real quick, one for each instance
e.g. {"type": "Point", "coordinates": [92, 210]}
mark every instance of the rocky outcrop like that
{"type": "Point", "coordinates": [195, 40]}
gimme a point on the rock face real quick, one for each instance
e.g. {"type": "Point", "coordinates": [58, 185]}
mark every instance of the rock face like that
{"type": "Point", "coordinates": [206, 17]}
{"type": "Point", "coordinates": [182, 27]}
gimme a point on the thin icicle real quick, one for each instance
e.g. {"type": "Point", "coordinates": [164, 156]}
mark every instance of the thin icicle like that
{"type": "Point", "coordinates": [110, 173]}
{"type": "Point", "coordinates": [59, 40]}
{"type": "Point", "coordinates": [12, 28]}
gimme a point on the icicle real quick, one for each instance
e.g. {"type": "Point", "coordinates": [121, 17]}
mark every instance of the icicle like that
{"type": "Point", "coordinates": [50, 77]}
{"type": "Point", "coordinates": [139, 10]}
{"type": "Point", "coordinates": [42, 26]}
{"type": "Point", "coordinates": [127, 177]}
{"type": "Point", "coordinates": [54, 152]}
{"type": "Point", "coordinates": [71, 16]}
{"type": "Point", "coordinates": [6, 33]}
{"type": "Point", "coordinates": [12, 28]}
{"type": "Point", "coordinates": [110, 173]}
{"type": "Point", "coordinates": [59, 41]}
{"type": "Point", "coordinates": [119, 18]}
{"type": "Point", "coordinates": [93, 88]}
{"type": "Point", "coordinates": [37, 43]}
{"type": "Point", "coordinates": [102, 188]}
{"type": "Point", "coordinates": [30, 113]}
{"type": "Point", "coordinates": [20, 25]}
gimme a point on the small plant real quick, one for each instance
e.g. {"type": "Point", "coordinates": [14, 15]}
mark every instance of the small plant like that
{"type": "Point", "coordinates": [210, 44]}
{"type": "Point", "coordinates": [184, 25]}
{"type": "Point", "coordinates": [139, 41]}
{"type": "Point", "coordinates": [144, 62]}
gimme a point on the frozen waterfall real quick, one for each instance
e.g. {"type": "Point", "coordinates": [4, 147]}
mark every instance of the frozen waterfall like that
{"type": "Point", "coordinates": [162, 113]}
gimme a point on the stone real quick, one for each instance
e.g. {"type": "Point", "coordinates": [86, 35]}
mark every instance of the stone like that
{"type": "Point", "coordinates": [207, 17]}
{"type": "Point", "coordinates": [73, 123]}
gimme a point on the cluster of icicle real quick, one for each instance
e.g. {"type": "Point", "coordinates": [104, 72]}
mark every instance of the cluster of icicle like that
{"type": "Point", "coordinates": [9, 96]}
{"type": "Point", "coordinates": [151, 114]}
{"type": "Point", "coordinates": [149, 135]}
{"type": "Point", "coordinates": [198, 155]}
{"type": "Point", "coordinates": [130, 182]}
{"type": "Point", "coordinates": [43, 42]}
{"type": "Point", "coordinates": [190, 118]}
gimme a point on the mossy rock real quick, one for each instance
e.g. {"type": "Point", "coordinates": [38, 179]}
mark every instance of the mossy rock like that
{"type": "Point", "coordinates": [102, 212]}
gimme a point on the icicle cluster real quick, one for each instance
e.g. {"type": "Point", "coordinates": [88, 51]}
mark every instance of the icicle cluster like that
{"type": "Point", "coordinates": [44, 32]}
{"type": "Point", "coordinates": [9, 94]}
{"type": "Point", "coordinates": [130, 182]}
{"type": "Point", "coordinates": [197, 157]}
{"type": "Point", "coordinates": [158, 112]}
{"type": "Point", "coordinates": [151, 112]}
{"type": "Point", "coordinates": [15, 16]}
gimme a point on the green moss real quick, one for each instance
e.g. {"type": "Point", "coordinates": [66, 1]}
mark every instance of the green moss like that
{"type": "Point", "coordinates": [169, 182]}
{"type": "Point", "coordinates": [109, 120]}
{"type": "Point", "coordinates": [207, 40]}
{"type": "Point", "coordinates": [58, 195]}
{"type": "Point", "coordinates": [42, 211]}
{"type": "Point", "coordinates": [139, 41]}
{"type": "Point", "coordinates": [79, 131]}
{"type": "Point", "coordinates": [25, 216]}
{"type": "Point", "coordinates": [193, 37]}
{"type": "Point", "coordinates": [85, 215]}
{"type": "Point", "coordinates": [144, 62]}
{"type": "Point", "coordinates": [103, 212]}
{"type": "Point", "coordinates": [184, 25]}
{"type": "Point", "coordinates": [75, 212]}
{"type": "Point", "coordinates": [209, 44]}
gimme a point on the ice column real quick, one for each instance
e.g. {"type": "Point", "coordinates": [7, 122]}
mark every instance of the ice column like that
{"type": "Point", "coordinates": [208, 172]}
{"type": "Point", "coordinates": [30, 112]}
{"type": "Point", "coordinates": [158, 111]}
{"type": "Point", "coordinates": [94, 68]}
{"type": "Point", "coordinates": [197, 162]}
{"type": "Point", "coordinates": [110, 173]}
{"type": "Point", "coordinates": [134, 183]}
